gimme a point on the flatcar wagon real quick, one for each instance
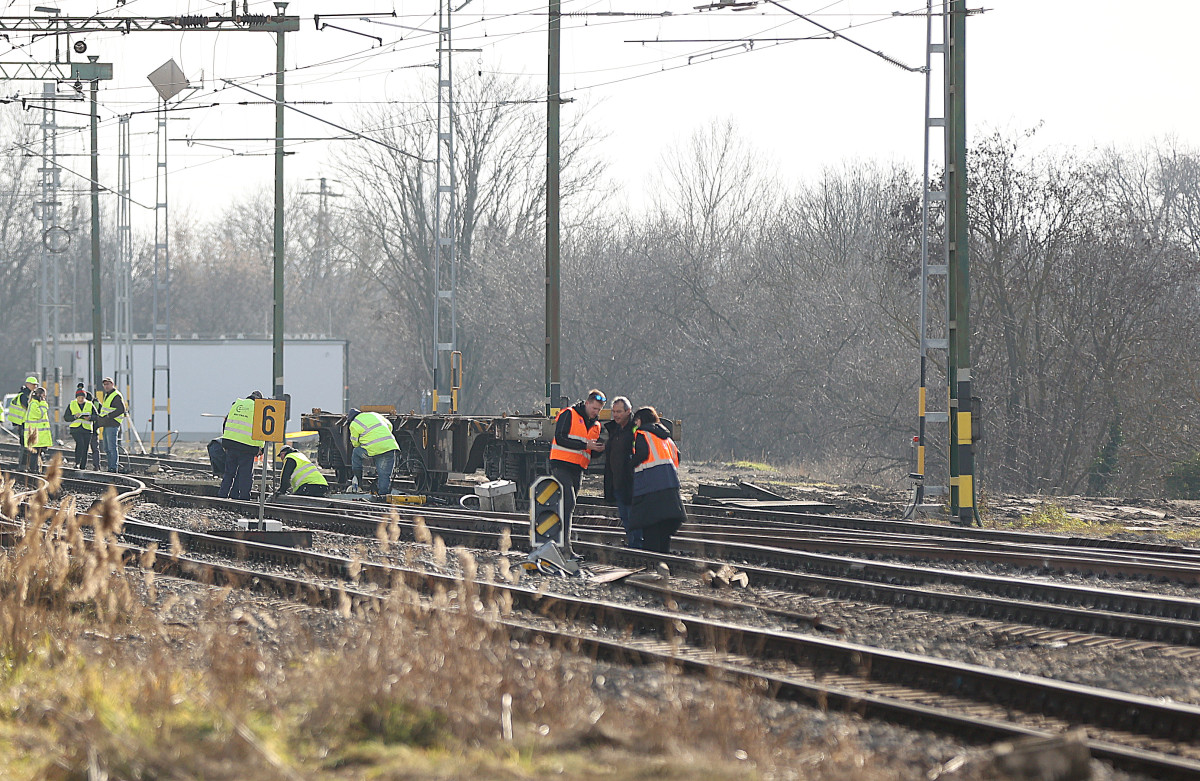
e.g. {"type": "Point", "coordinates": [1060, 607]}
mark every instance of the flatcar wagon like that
{"type": "Point", "coordinates": [432, 447]}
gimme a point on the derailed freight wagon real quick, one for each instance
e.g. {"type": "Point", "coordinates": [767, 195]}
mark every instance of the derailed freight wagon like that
{"type": "Point", "coordinates": [432, 447]}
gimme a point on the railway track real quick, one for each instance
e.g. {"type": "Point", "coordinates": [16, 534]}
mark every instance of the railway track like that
{"type": "Point", "coordinates": [880, 537]}
{"type": "Point", "coordinates": [139, 463]}
{"type": "Point", "coordinates": [1057, 606]}
{"type": "Point", "coordinates": [1136, 733]}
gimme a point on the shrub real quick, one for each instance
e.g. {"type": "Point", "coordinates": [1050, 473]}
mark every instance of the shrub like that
{"type": "Point", "coordinates": [1183, 479]}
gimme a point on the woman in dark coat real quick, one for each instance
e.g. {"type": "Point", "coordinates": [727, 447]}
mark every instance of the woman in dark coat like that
{"type": "Point", "coordinates": [657, 505]}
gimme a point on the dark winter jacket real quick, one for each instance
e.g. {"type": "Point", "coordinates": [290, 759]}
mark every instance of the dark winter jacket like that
{"type": "Point", "coordinates": [663, 506]}
{"type": "Point", "coordinates": [216, 456]}
{"type": "Point", "coordinates": [618, 463]}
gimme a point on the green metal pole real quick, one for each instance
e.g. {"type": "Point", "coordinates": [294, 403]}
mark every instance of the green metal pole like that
{"type": "Point", "coordinates": [97, 320]}
{"type": "Point", "coordinates": [553, 328]}
{"type": "Point", "coordinates": [277, 326]}
{"type": "Point", "coordinates": [962, 449]}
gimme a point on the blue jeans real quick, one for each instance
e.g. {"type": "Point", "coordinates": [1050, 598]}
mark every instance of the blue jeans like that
{"type": "Point", "coordinates": [112, 438]}
{"type": "Point", "coordinates": [633, 537]}
{"type": "Point", "coordinates": [238, 480]}
{"type": "Point", "coordinates": [384, 464]}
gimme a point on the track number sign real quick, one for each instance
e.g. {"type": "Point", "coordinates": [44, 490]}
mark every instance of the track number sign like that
{"type": "Point", "coordinates": [270, 419]}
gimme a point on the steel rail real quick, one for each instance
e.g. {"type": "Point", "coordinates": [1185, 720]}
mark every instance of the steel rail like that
{"type": "Point", "coordinates": [725, 516]}
{"type": "Point", "coordinates": [1147, 617]}
{"type": "Point", "coordinates": [741, 515]}
{"type": "Point", "coordinates": [141, 461]}
{"type": "Point", "coordinates": [836, 525]}
{"type": "Point", "coordinates": [1101, 562]}
{"type": "Point", "coordinates": [1137, 615]}
{"type": "Point", "coordinates": [1182, 556]}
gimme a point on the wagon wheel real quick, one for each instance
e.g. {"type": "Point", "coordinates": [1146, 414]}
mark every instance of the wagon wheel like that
{"type": "Point", "coordinates": [420, 475]}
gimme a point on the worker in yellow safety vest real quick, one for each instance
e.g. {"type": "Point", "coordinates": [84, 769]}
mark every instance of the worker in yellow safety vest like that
{"type": "Point", "coordinates": [17, 412]}
{"type": "Point", "coordinates": [79, 414]}
{"type": "Point", "coordinates": [108, 420]}
{"type": "Point", "coordinates": [371, 438]}
{"type": "Point", "coordinates": [240, 448]}
{"type": "Point", "coordinates": [37, 429]}
{"type": "Point", "coordinates": [300, 476]}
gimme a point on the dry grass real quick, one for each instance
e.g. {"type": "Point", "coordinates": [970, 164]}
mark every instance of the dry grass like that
{"type": "Point", "coordinates": [1054, 519]}
{"type": "Point", "coordinates": [104, 673]}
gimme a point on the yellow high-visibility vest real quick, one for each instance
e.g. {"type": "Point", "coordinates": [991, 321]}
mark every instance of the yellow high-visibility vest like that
{"type": "Point", "coordinates": [239, 423]}
{"type": "Point", "coordinates": [81, 413]}
{"type": "Point", "coordinates": [372, 432]}
{"type": "Point", "coordinates": [304, 473]}
{"type": "Point", "coordinates": [37, 425]}
{"type": "Point", "coordinates": [107, 405]}
{"type": "Point", "coordinates": [16, 411]}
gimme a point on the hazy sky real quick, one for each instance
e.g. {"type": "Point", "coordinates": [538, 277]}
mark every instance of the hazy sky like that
{"type": "Point", "coordinates": [1092, 72]}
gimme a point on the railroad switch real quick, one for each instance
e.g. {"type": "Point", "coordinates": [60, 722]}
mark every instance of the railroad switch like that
{"type": "Point", "coordinates": [549, 560]}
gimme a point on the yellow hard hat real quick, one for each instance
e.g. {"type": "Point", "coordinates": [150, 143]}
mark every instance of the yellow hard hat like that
{"type": "Point", "coordinates": [32, 379]}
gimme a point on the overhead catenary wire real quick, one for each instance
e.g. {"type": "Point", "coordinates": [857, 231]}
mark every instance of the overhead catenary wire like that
{"type": "Point", "coordinates": [373, 52]}
{"type": "Point", "coordinates": [384, 144]}
{"type": "Point", "coordinates": [407, 43]}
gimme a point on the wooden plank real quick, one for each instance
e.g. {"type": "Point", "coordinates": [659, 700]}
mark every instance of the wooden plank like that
{"type": "Point", "coordinates": [614, 575]}
{"type": "Point", "coordinates": [785, 505]}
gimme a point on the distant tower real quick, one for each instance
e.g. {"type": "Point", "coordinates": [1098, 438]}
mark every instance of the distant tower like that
{"type": "Point", "coordinates": [446, 358]}
{"type": "Point", "coordinates": [168, 81]}
{"type": "Point", "coordinates": [123, 320]}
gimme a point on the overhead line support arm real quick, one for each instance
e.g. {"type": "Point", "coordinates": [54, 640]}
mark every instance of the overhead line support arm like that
{"type": "Point", "coordinates": [70, 25]}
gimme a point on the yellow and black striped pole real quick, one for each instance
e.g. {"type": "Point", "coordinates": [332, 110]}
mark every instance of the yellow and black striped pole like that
{"type": "Point", "coordinates": [962, 455]}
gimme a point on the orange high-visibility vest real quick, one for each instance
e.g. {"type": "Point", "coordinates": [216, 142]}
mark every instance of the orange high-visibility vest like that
{"type": "Point", "coordinates": [660, 470]}
{"type": "Point", "coordinates": [579, 431]}
{"type": "Point", "coordinates": [662, 451]}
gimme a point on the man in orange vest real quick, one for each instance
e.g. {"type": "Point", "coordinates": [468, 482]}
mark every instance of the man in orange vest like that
{"type": "Point", "coordinates": [576, 437]}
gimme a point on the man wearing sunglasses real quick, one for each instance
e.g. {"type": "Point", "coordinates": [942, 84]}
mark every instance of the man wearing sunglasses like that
{"type": "Point", "coordinates": [576, 437]}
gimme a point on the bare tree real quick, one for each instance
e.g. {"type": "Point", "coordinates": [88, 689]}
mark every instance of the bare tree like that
{"type": "Point", "coordinates": [21, 242]}
{"type": "Point", "coordinates": [497, 227]}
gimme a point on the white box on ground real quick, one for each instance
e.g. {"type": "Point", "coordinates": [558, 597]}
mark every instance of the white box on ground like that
{"type": "Point", "coordinates": [255, 525]}
{"type": "Point", "coordinates": [497, 496]}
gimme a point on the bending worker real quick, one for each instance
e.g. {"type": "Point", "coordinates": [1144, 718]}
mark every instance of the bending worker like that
{"type": "Point", "coordinates": [576, 437]}
{"type": "Point", "coordinates": [371, 437]}
{"type": "Point", "coordinates": [79, 415]}
{"type": "Point", "coordinates": [240, 449]}
{"type": "Point", "coordinates": [301, 476]}
{"type": "Point", "coordinates": [17, 412]}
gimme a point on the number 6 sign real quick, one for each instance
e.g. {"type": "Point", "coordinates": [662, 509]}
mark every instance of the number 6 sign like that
{"type": "Point", "coordinates": [269, 420]}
